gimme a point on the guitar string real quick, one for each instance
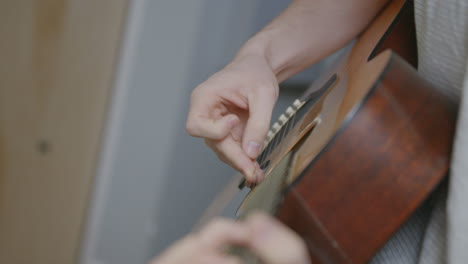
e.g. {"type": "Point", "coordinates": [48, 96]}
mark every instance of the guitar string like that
{"type": "Point", "coordinates": [288, 126]}
{"type": "Point", "coordinates": [268, 149]}
{"type": "Point", "coordinates": [266, 152]}
{"type": "Point", "coordinates": [274, 142]}
{"type": "Point", "coordinates": [284, 130]}
{"type": "Point", "coordinates": [282, 134]}
{"type": "Point", "coordinates": [273, 145]}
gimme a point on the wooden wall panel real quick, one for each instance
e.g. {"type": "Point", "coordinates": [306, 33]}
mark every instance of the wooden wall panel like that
{"type": "Point", "coordinates": [57, 59]}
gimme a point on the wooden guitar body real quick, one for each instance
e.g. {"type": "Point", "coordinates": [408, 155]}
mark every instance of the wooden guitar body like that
{"type": "Point", "coordinates": [364, 147]}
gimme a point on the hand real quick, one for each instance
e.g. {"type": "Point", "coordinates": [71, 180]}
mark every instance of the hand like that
{"type": "Point", "coordinates": [232, 111]}
{"type": "Point", "coordinates": [270, 240]}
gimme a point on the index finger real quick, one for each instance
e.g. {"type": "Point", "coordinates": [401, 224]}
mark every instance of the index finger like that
{"type": "Point", "coordinates": [205, 127]}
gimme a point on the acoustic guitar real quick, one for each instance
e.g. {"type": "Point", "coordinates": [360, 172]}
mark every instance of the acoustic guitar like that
{"type": "Point", "coordinates": [352, 158]}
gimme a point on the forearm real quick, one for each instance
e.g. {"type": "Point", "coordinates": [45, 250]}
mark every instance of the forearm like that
{"type": "Point", "coordinates": [309, 30]}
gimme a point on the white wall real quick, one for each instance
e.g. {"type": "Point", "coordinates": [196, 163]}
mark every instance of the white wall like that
{"type": "Point", "coordinates": [154, 181]}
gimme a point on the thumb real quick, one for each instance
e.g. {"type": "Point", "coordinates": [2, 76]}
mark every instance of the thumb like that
{"type": "Point", "coordinates": [260, 108]}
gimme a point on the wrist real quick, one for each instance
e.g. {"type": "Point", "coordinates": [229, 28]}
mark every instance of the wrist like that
{"type": "Point", "coordinates": [259, 46]}
{"type": "Point", "coordinates": [267, 44]}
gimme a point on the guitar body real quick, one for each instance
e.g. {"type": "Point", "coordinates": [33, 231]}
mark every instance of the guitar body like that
{"type": "Point", "coordinates": [363, 148]}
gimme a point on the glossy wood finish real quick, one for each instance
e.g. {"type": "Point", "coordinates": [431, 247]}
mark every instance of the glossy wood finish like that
{"type": "Point", "coordinates": [377, 170]}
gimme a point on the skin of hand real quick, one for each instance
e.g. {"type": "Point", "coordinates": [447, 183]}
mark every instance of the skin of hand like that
{"type": "Point", "coordinates": [267, 238]}
{"type": "Point", "coordinates": [232, 109]}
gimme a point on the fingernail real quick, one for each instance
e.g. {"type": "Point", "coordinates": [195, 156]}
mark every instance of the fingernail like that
{"type": "Point", "coordinates": [253, 148]}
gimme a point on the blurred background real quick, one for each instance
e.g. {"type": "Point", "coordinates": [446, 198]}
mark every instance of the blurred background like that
{"type": "Point", "coordinates": [95, 163]}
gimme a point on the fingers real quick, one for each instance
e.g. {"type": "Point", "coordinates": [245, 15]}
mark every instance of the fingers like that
{"type": "Point", "coordinates": [260, 107]}
{"type": "Point", "coordinates": [274, 243]}
{"type": "Point", "coordinates": [270, 240]}
{"type": "Point", "coordinates": [200, 126]}
{"type": "Point", "coordinates": [235, 103]}
{"type": "Point", "coordinates": [221, 233]}
{"type": "Point", "coordinates": [231, 152]}
{"type": "Point", "coordinates": [208, 246]}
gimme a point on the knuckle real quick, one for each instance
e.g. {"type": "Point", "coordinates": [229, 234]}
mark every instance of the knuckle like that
{"type": "Point", "coordinates": [202, 91]}
{"type": "Point", "coordinates": [192, 127]}
{"type": "Point", "coordinates": [196, 91]}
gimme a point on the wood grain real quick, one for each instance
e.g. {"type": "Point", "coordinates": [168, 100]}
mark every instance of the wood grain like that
{"type": "Point", "coordinates": [56, 71]}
